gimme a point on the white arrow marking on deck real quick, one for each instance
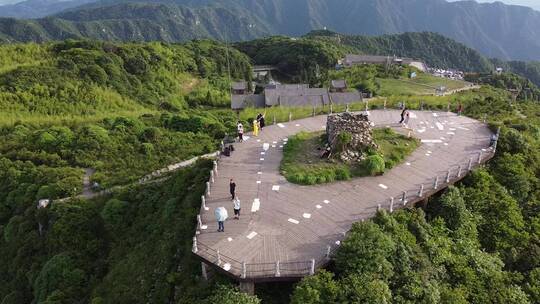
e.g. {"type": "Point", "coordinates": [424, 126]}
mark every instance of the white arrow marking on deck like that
{"type": "Point", "coordinates": [227, 266]}
{"type": "Point", "coordinates": [326, 201]}
{"type": "Point", "coordinates": [229, 239]}
{"type": "Point", "coordinates": [256, 205]}
{"type": "Point", "coordinates": [258, 182]}
{"type": "Point", "coordinates": [266, 146]}
{"type": "Point", "coordinates": [293, 221]}
{"type": "Point", "coordinates": [251, 235]}
{"type": "Point", "coordinates": [281, 125]}
{"type": "Point", "coordinates": [318, 206]}
{"type": "Point", "coordinates": [306, 215]}
{"type": "Point", "coordinates": [275, 188]}
{"type": "Point", "coordinates": [383, 186]}
{"type": "Point", "coordinates": [450, 133]}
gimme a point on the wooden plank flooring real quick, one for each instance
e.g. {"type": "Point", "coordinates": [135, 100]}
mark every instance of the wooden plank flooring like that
{"type": "Point", "coordinates": [296, 224]}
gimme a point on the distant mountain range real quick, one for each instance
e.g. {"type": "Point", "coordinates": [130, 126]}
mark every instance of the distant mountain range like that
{"type": "Point", "coordinates": [38, 8]}
{"type": "Point", "coordinates": [496, 30]}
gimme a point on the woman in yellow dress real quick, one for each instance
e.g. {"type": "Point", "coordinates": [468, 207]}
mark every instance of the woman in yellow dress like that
{"type": "Point", "coordinates": [255, 128]}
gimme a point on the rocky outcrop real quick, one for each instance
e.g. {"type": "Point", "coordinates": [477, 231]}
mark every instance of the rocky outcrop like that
{"type": "Point", "coordinates": [357, 130]}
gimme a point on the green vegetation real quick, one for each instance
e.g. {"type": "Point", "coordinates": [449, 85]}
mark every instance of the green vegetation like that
{"type": "Point", "coordinates": [423, 84]}
{"type": "Point", "coordinates": [93, 250]}
{"type": "Point", "coordinates": [128, 109]}
{"type": "Point", "coordinates": [522, 88]}
{"type": "Point", "coordinates": [302, 162]}
{"type": "Point", "coordinates": [301, 60]}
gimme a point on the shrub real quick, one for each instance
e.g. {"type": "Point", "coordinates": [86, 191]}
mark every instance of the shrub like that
{"type": "Point", "coordinates": [375, 164]}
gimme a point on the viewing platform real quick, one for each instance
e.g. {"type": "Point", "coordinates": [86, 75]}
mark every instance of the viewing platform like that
{"type": "Point", "coordinates": [287, 231]}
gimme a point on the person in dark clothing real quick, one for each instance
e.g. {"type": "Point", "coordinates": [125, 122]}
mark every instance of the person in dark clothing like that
{"type": "Point", "coordinates": [403, 115]}
{"type": "Point", "coordinates": [232, 188]}
{"type": "Point", "coordinates": [260, 120]}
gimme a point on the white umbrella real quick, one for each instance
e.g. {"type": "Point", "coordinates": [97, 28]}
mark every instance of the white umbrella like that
{"type": "Point", "coordinates": [221, 214]}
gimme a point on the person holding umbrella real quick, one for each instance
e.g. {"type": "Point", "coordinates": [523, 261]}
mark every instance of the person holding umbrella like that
{"type": "Point", "coordinates": [221, 216]}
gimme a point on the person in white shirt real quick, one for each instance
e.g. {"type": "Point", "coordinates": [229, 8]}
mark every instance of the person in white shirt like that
{"type": "Point", "coordinates": [240, 129]}
{"type": "Point", "coordinates": [236, 208]}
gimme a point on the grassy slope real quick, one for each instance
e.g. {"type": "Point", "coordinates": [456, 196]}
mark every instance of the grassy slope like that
{"type": "Point", "coordinates": [424, 84]}
{"type": "Point", "coordinates": [302, 163]}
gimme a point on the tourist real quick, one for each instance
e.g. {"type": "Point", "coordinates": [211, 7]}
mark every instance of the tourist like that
{"type": "Point", "coordinates": [255, 128]}
{"type": "Point", "coordinates": [406, 120]}
{"type": "Point", "coordinates": [236, 208]}
{"type": "Point", "coordinates": [403, 115]}
{"type": "Point", "coordinates": [260, 120]}
{"type": "Point", "coordinates": [240, 128]}
{"type": "Point", "coordinates": [232, 189]}
{"type": "Point", "coordinates": [221, 215]}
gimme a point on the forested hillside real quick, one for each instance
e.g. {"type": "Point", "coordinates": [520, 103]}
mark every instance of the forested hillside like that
{"type": "Point", "coordinates": [121, 110]}
{"type": "Point", "coordinates": [434, 49]}
{"type": "Point", "coordinates": [126, 109]}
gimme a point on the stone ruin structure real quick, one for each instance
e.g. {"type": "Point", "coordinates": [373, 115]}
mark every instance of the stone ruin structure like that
{"type": "Point", "coordinates": [360, 129]}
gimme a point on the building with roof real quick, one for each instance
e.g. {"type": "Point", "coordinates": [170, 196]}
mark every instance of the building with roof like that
{"type": "Point", "coordinates": [296, 95]}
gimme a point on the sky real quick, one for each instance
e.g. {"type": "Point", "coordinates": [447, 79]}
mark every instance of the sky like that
{"type": "Point", "coordinates": [532, 3]}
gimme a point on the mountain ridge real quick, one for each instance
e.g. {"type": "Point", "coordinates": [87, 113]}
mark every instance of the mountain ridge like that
{"type": "Point", "coordinates": [496, 30]}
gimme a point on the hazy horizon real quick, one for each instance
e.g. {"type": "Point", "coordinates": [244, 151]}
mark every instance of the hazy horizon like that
{"type": "Point", "coordinates": [530, 3]}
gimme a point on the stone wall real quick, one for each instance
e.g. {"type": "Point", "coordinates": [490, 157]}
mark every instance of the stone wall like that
{"type": "Point", "coordinates": [356, 124]}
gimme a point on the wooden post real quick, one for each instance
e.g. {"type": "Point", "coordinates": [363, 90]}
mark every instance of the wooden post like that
{"type": "Point", "coordinates": [290, 116]}
{"type": "Point", "coordinates": [203, 202]}
{"type": "Point", "coordinates": [328, 249]}
{"type": "Point", "coordinates": [496, 140]}
{"type": "Point", "coordinates": [212, 176]}
{"type": "Point", "coordinates": [274, 119]}
{"type": "Point", "coordinates": [195, 249]}
{"type": "Point", "coordinates": [436, 183]}
{"type": "Point", "coordinates": [331, 109]}
{"type": "Point", "coordinates": [485, 118]}
{"type": "Point", "coordinates": [404, 198]}
{"type": "Point", "coordinates": [312, 268]}
{"type": "Point", "coordinates": [204, 271]}
{"type": "Point", "coordinates": [278, 274]}
{"type": "Point", "coordinates": [222, 146]}
{"type": "Point", "coordinates": [480, 158]}
{"type": "Point", "coordinates": [391, 204]}
{"type": "Point", "coordinates": [207, 188]}
{"type": "Point", "coordinates": [470, 165]}
{"type": "Point", "coordinates": [347, 108]}
{"type": "Point", "coordinates": [243, 270]}
{"type": "Point", "coordinates": [199, 220]}
{"type": "Point", "coordinates": [218, 258]}
{"type": "Point", "coordinates": [367, 106]}
{"type": "Point", "coordinates": [384, 104]}
{"type": "Point", "coordinates": [215, 167]}
{"type": "Point", "coordinates": [421, 192]}
{"type": "Point", "coordinates": [448, 176]}
{"type": "Point", "coordinates": [448, 107]}
{"type": "Point", "coordinates": [459, 171]}
{"type": "Point", "coordinates": [421, 106]}
{"type": "Point", "coordinates": [313, 112]}
{"type": "Point", "coordinates": [379, 207]}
